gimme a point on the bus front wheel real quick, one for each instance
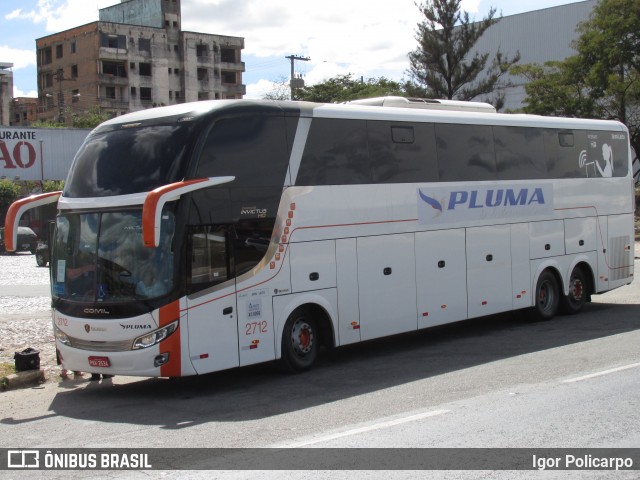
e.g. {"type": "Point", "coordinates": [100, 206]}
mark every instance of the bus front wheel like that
{"type": "Point", "coordinates": [300, 342]}
{"type": "Point", "coordinates": [547, 297]}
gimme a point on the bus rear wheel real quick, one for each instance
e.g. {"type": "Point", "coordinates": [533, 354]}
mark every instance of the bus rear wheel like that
{"type": "Point", "coordinates": [578, 293]}
{"type": "Point", "coordinates": [300, 342]}
{"type": "Point", "coordinates": [547, 297]}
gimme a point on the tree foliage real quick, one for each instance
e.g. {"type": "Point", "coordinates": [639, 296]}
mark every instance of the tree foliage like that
{"type": "Point", "coordinates": [445, 64]}
{"type": "Point", "coordinates": [603, 79]}
{"type": "Point", "coordinates": [343, 88]}
{"type": "Point", "coordinates": [9, 193]}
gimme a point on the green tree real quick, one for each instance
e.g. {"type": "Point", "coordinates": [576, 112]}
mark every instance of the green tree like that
{"type": "Point", "coordinates": [445, 65]}
{"type": "Point", "coordinates": [52, 186]}
{"type": "Point", "coordinates": [343, 88]}
{"type": "Point", "coordinates": [9, 193]}
{"type": "Point", "coordinates": [602, 80]}
{"type": "Point", "coordinates": [90, 118]}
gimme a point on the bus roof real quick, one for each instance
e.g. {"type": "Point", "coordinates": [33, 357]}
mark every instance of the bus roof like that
{"type": "Point", "coordinates": [356, 110]}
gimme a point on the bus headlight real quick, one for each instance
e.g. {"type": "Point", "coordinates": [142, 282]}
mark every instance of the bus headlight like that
{"type": "Point", "coordinates": [61, 336]}
{"type": "Point", "coordinates": [152, 338]}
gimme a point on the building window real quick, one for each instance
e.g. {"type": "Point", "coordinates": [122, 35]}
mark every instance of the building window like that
{"type": "Point", "coordinates": [145, 69]}
{"type": "Point", "coordinates": [74, 71]}
{"type": "Point", "coordinates": [203, 95]}
{"type": "Point", "coordinates": [202, 50]}
{"type": "Point", "coordinates": [229, 77]}
{"type": "Point", "coordinates": [58, 51]}
{"type": "Point", "coordinates": [177, 95]}
{"type": "Point", "coordinates": [75, 96]}
{"type": "Point", "coordinates": [133, 92]}
{"type": "Point", "coordinates": [46, 56]}
{"type": "Point", "coordinates": [132, 65]}
{"type": "Point", "coordinates": [73, 46]}
{"type": "Point", "coordinates": [117, 69]}
{"type": "Point", "coordinates": [145, 94]}
{"type": "Point", "coordinates": [228, 55]}
{"type": "Point", "coordinates": [176, 71]}
{"type": "Point", "coordinates": [113, 41]}
{"type": "Point", "coordinates": [110, 93]}
{"type": "Point", "coordinates": [175, 48]}
{"type": "Point", "coordinates": [144, 45]}
{"type": "Point", "coordinates": [170, 70]}
{"type": "Point", "coordinates": [175, 24]}
{"type": "Point", "coordinates": [203, 75]}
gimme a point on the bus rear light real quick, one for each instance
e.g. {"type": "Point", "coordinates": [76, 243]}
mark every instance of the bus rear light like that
{"type": "Point", "coordinates": [152, 338]}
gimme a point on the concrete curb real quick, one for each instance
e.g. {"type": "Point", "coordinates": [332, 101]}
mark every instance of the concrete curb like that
{"type": "Point", "coordinates": [24, 379]}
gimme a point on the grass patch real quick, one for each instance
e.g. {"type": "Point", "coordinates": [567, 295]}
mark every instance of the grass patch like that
{"type": "Point", "coordinates": [7, 369]}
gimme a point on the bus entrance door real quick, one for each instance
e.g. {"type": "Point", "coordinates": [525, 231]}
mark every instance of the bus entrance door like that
{"type": "Point", "coordinates": [212, 309]}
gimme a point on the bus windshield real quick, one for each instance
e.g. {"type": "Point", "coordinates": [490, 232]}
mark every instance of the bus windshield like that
{"type": "Point", "coordinates": [133, 160]}
{"type": "Point", "coordinates": [100, 257]}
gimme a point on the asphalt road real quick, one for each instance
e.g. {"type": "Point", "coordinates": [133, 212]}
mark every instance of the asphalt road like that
{"type": "Point", "coordinates": [493, 382]}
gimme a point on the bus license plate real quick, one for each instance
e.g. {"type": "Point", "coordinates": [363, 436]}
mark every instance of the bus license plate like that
{"type": "Point", "coordinates": [99, 362]}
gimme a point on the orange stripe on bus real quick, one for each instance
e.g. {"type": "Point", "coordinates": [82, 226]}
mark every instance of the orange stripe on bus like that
{"type": "Point", "coordinates": [173, 368]}
{"type": "Point", "coordinates": [151, 204]}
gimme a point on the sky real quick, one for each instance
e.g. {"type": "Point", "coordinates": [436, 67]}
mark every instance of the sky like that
{"type": "Point", "coordinates": [367, 38]}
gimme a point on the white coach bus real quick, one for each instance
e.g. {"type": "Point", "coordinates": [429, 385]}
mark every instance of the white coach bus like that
{"type": "Point", "coordinates": [212, 235]}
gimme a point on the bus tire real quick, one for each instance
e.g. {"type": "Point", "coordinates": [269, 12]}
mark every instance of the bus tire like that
{"type": "Point", "coordinates": [578, 292]}
{"type": "Point", "coordinates": [300, 342]}
{"type": "Point", "coordinates": [547, 297]}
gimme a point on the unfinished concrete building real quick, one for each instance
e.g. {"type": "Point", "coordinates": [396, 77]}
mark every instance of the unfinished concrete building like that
{"type": "Point", "coordinates": [6, 92]}
{"type": "Point", "coordinates": [135, 56]}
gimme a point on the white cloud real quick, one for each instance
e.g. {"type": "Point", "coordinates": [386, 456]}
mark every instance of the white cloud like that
{"type": "Point", "coordinates": [19, 93]}
{"type": "Point", "coordinates": [19, 58]}
{"type": "Point", "coordinates": [58, 15]}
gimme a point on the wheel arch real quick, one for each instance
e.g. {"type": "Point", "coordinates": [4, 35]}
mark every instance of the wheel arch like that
{"type": "Point", "coordinates": [552, 266]}
{"type": "Point", "coordinates": [323, 307]}
{"type": "Point", "coordinates": [584, 264]}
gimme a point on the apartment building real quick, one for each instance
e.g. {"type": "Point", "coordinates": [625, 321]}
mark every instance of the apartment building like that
{"type": "Point", "coordinates": [6, 92]}
{"type": "Point", "coordinates": [135, 56]}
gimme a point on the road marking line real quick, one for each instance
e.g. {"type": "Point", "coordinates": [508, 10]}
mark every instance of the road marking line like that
{"type": "Point", "coordinates": [369, 428]}
{"type": "Point", "coordinates": [599, 374]}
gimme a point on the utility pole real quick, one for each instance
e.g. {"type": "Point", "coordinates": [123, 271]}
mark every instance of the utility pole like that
{"type": "Point", "coordinates": [295, 82]}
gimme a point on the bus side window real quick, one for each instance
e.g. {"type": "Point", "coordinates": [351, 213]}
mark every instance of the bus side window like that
{"type": "Point", "coordinates": [566, 154]}
{"type": "Point", "coordinates": [209, 259]}
{"type": "Point", "coordinates": [465, 152]}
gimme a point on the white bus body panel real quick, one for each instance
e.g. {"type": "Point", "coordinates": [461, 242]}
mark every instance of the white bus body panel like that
{"type": "Point", "coordinates": [580, 235]}
{"type": "Point", "coordinates": [620, 250]}
{"type": "Point", "coordinates": [386, 285]}
{"type": "Point", "coordinates": [520, 267]}
{"type": "Point", "coordinates": [348, 303]}
{"type": "Point", "coordinates": [546, 239]}
{"type": "Point", "coordinates": [213, 330]}
{"type": "Point", "coordinates": [489, 270]}
{"type": "Point", "coordinates": [313, 265]}
{"type": "Point", "coordinates": [441, 277]}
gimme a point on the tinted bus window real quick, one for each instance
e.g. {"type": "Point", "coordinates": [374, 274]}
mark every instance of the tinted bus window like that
{"type": "Point", "coordinates": [465, 152]}
{"type": "Point", "coordinates": [251, 148]}
{"type": "Point", "coordinates": [402, 153]}
{"type": "Point", "coordinates": [335, 154]}
{"type": "Point", "coordinates": [519, 153]}
{"type": "Point", "coordinates": [121, 162]}
{"type": "Point", "coordinates": [607, 154]}
{"type": "Point", "coordinates": [566, 153]}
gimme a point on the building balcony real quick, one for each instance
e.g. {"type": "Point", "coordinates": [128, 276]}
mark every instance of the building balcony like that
{"type": "Point", "coordinates": [106, 102]}
{"type": "Point", "coordinates": [107, 53]}
{"type": "Point", "coordinates": [237, 66]}
{"type": "Point", "coordinates": [108, 79]}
